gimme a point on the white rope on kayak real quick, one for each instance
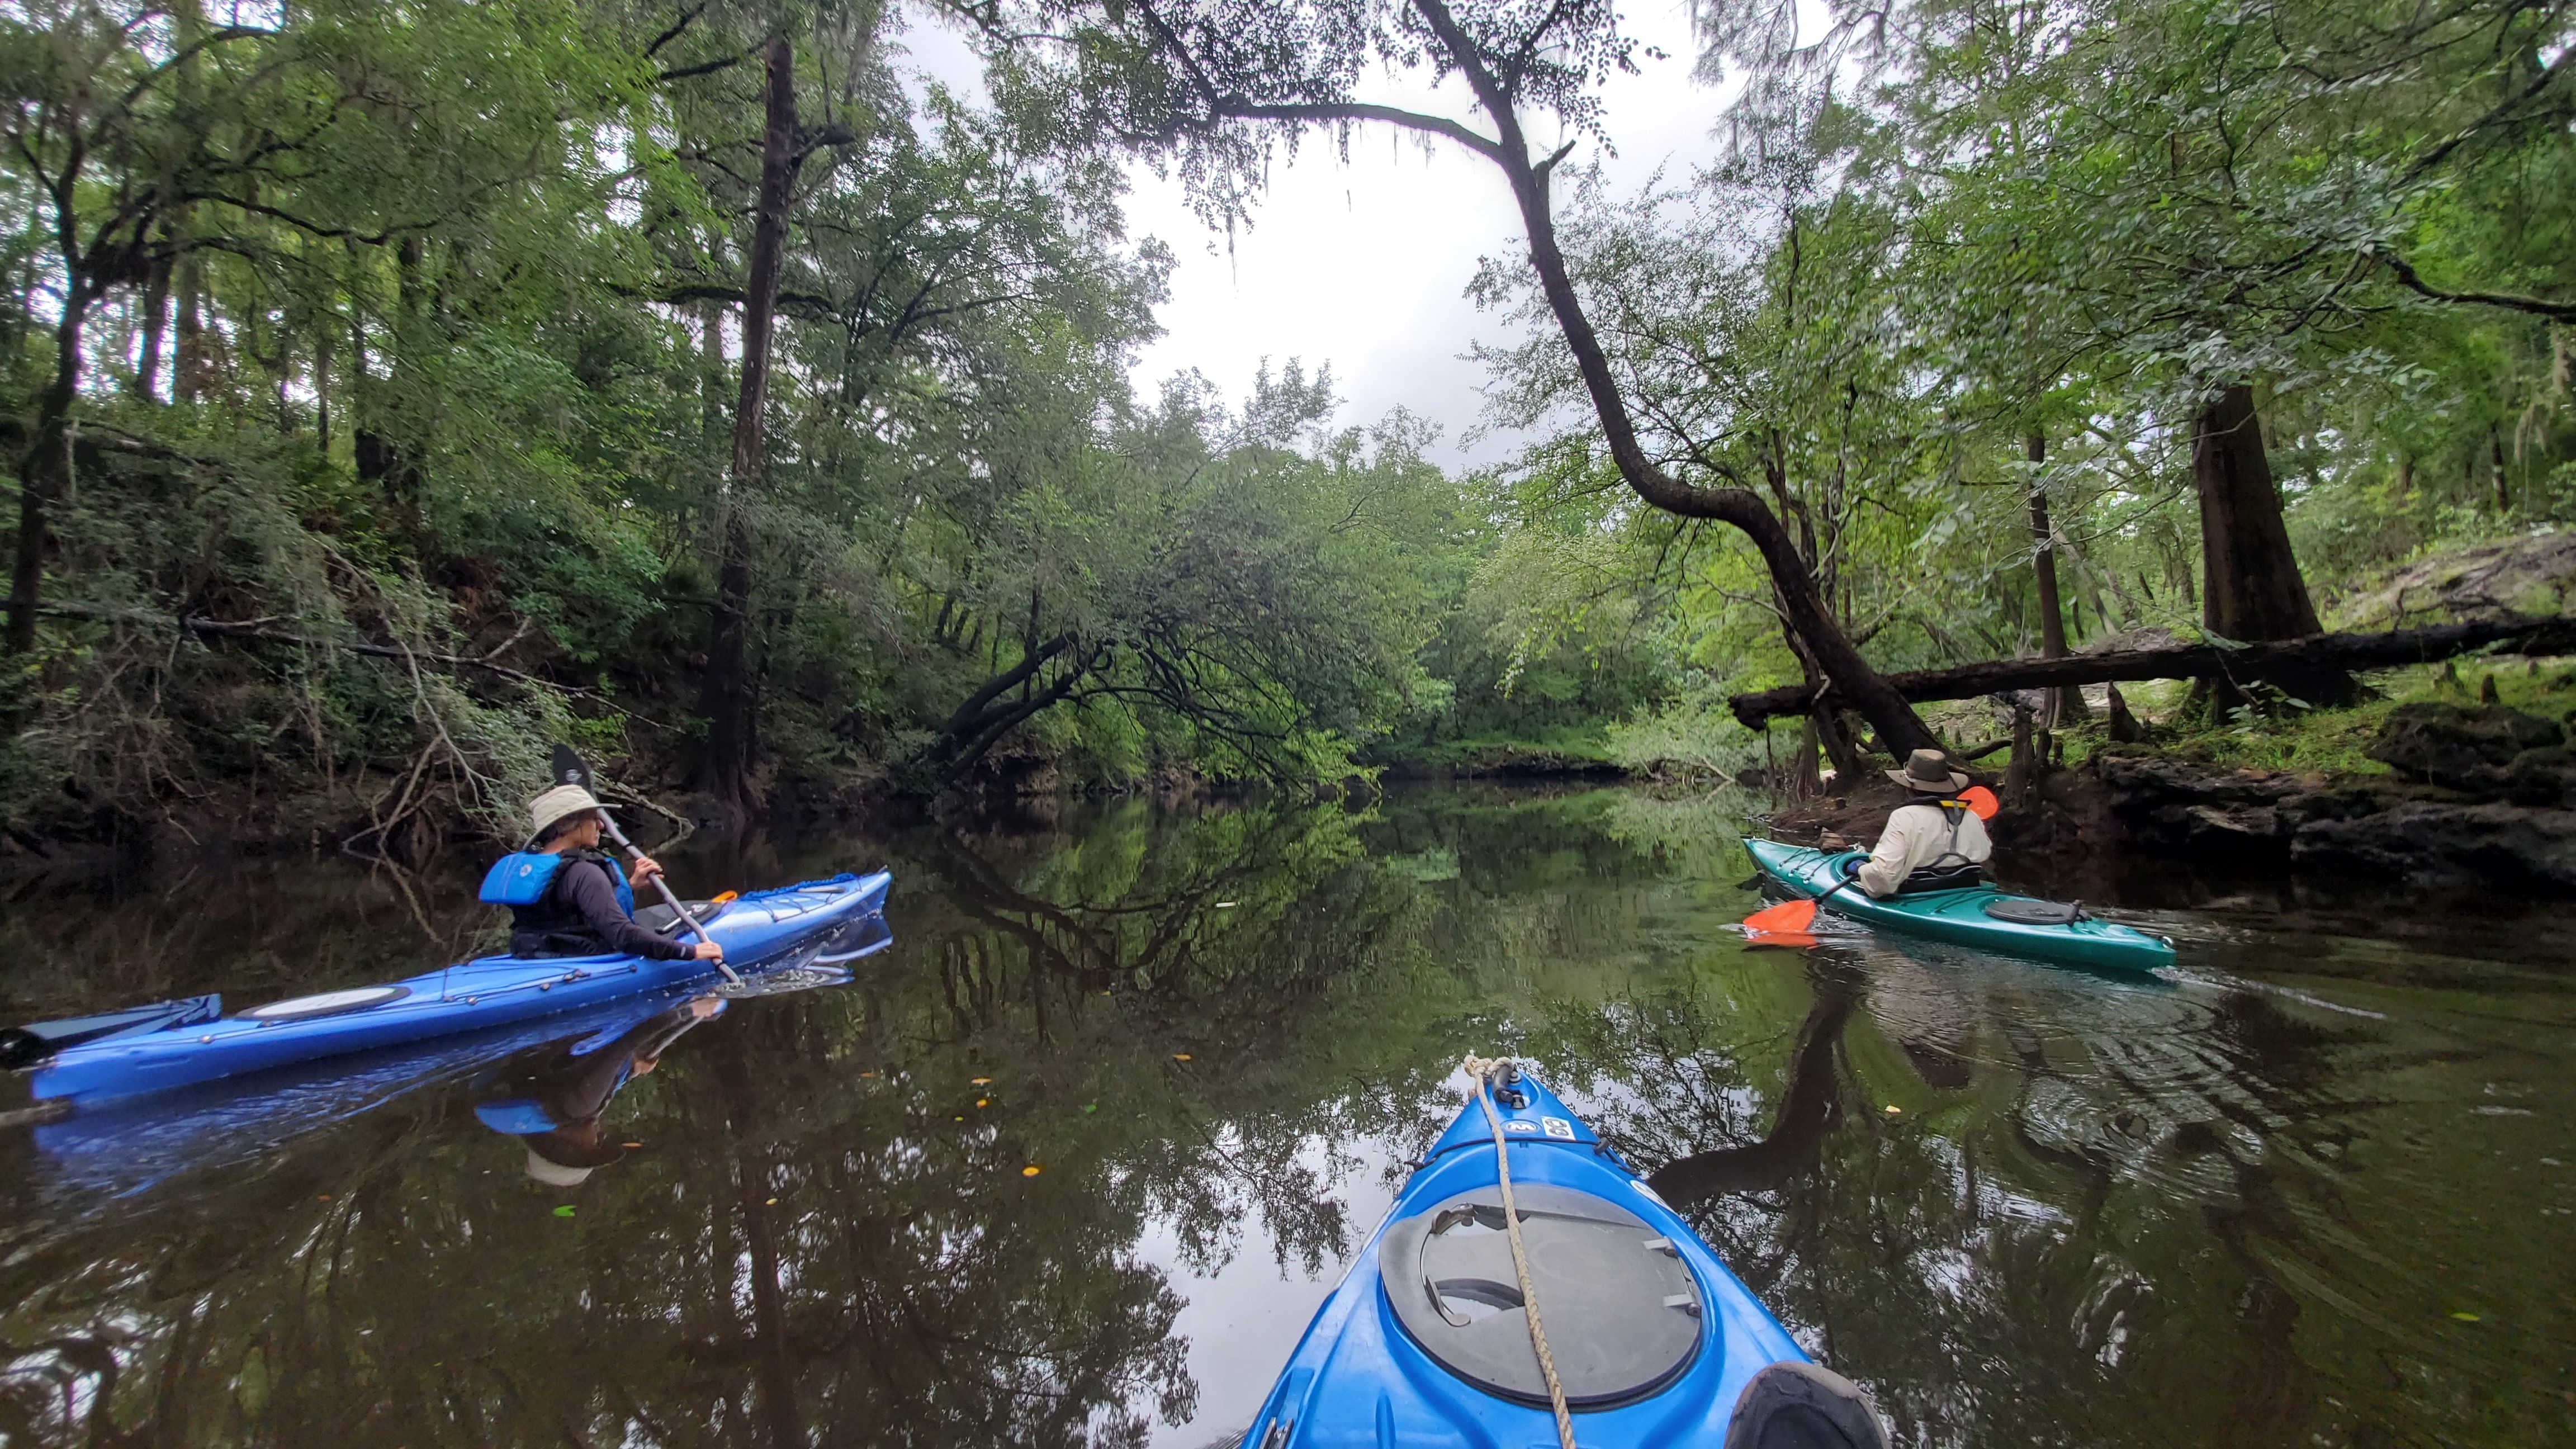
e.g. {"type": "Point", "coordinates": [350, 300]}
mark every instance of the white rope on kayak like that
{"type": "Point", "coordinates": [1483, 1070]}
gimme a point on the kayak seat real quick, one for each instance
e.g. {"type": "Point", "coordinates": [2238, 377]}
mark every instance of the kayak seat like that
{"type": "Point", "coordinates": [1623, 1312]}
{"type": "Point", "coordinates": [1922, 882]}
{"type": "Point", "coordinates": [1942, 878]}
{"type": "Point", "coordinates": [662, 919]}
{"type": "Point", "coordinates": [1790, 1405]}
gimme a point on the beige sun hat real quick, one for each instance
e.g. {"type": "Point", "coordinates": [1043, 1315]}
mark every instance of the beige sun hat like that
{"type": "Point", "coordinates": [555, 1174]}
{"type": "Point", "coordinates": [1930, 772]}
{"type": "Point", "coordinates": [554, 805]}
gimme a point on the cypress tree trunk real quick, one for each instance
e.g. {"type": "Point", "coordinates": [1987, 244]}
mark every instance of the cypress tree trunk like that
{"type": "Point", "coordinates": [156, 326]}
{"type": "Point", "coordinates": [725, 702]}
{"type": "Point", "coordinates": [188, 354]}
{"type": "Point", "coordinates": [47, 466]}
{"type": "Point", "coordinates": [2063, 704]}
{"type": "Point", "coordinates": [2251, 589]}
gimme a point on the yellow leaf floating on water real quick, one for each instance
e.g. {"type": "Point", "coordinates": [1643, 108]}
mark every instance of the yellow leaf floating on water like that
{"type": "Point", "coordinates": [979, 1081]}
{"type": "Point", "coordinates": [2466, 1317]}
{"type": "Point", "coordinates": [773, 1202]}
{"type": "Point", "coordinates": [983, 1101]}
{"type": "Point", "coordinates": [630, 1144]}
{"type": "Point", "coordinates": [1893, 1110]}
{"type": "Point", "coordinates": [1180, 1056]}
{"type": "Point", "coordinates": [1029, 1171]}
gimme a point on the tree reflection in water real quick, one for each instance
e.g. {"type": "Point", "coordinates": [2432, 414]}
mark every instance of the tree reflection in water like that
{"type": "Point", "coordinates": [2103, 1213]}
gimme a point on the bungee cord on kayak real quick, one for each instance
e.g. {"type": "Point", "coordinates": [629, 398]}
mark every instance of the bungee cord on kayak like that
{"type": "Point", "coordinates": [1483, 1071]}
{"type": "Point", "coordinates": [1658, 1344]}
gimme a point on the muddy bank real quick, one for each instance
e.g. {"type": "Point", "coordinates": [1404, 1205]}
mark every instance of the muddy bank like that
{"type": "Point", "coordinates": [2475, 801]}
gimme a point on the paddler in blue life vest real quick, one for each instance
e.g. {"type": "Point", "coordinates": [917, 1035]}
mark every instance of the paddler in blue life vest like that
{"type": "Point", "coordinates": [1933, 841]}
{"type": "Point", "coordinates": [567, 897]}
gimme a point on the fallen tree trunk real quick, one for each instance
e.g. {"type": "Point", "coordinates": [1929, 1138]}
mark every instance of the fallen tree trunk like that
{"type": "Point", "coordinates": [2316, 652]}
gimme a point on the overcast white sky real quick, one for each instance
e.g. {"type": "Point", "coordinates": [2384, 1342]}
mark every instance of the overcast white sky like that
{"type": "Point", "coordinates": [1365, 265]}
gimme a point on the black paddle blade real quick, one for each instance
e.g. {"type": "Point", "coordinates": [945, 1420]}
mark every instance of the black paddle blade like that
{"type": "Point", "coordinates": [569, 769]}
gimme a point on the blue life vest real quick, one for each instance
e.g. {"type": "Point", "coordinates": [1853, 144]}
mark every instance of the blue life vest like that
{"type": "Point", "coordinates": [522, 879]}
{"type": "Point", "coordinates": [518, 1116]}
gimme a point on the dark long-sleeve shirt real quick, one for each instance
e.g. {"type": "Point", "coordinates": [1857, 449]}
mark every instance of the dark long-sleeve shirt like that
{"type": "Point", "coordinates": [580, 916]}
{"type": "Point", "coordinates": [594, 899]}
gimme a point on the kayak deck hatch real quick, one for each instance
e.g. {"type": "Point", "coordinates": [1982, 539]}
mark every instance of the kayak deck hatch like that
{"type": "Point", "coordinates": [1427, 1340]}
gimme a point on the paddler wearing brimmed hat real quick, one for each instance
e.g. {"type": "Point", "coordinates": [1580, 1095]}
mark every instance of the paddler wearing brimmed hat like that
{"type": "Point", "coordinates": [1933, 841]}
{"type": "Point", "coordinates": [552, 1098]}
{"type": "Point", "coordinates": [567, 897]}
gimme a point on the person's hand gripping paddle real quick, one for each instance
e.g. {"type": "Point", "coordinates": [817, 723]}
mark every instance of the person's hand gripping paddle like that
{"type": "Point", "coordinates": [1790, 917]}
{"type": "Point", "coordinates": [569, 770]}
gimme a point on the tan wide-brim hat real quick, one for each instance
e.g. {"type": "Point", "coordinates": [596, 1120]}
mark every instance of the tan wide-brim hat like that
{"type": "Point", "coordinates": [1930, 772]}
{"type": "Point", "coordinates": [568, 1155]}
{"type": "Point", "coordinates": [555, 1174]}
{"type": "Point", "coordinates": [554, 805]}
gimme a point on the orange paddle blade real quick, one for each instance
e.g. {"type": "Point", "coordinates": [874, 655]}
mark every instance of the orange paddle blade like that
{"type": "Point", "coordinates": [1786, 916]}
{"type": "Point", "coordinates": [1981, 800]}
{"type": "Point", "coordinates": [1784, 940]}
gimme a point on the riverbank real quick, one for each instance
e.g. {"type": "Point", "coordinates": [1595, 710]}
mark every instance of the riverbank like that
{"type": "Point", "coordinates": [2443, 783]}
{"type": "Point", "coordinates": [78, 837]}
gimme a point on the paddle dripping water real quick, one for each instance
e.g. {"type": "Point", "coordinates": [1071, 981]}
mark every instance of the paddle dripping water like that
{"type": "Point", "coordinates": [2309, 1185]}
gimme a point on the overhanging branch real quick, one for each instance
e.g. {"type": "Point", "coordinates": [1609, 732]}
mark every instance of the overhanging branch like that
{"type": "Point", "coordinates": [2536, 306]}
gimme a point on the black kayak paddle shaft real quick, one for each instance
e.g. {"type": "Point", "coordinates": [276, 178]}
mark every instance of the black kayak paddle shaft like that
{"type": "Point", "coordinates": [570, 770]}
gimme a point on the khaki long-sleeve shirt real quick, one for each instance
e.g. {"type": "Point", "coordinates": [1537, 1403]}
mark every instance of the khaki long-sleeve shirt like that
{"type": "Point", "coordinates": [1920, 835]}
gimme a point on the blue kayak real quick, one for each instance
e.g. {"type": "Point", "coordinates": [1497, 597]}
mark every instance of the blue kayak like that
{"type": "Point", "coordinates": [1654, 1342]}
{"type": "Point", "coordinates": [192, 1042]}
{"type": "Point", "coordinates": [136, 1145]}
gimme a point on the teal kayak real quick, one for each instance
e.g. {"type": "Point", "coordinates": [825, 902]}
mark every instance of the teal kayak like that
{"type": "Point", "coordinates": [1978, 915]}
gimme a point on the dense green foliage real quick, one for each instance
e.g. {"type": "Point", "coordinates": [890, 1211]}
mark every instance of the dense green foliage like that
{"type": "Point", "coordinates": [400, 347]}
{"type": "Point", "coordinates": [369, 376]}
{"type": "Point", "coordinates": [2057, 230]}
{"type": "Point", "coordinates": [1964, 263]}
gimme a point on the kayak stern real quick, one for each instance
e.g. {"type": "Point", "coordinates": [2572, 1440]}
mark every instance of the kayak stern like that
{"type": "Point", "coordinates": [1362, 1377]}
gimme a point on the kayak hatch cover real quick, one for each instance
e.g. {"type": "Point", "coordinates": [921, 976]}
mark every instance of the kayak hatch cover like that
{"type": "Point", "coordinates": [1425, 1342]}
{"type": "Point", "coordinates": [1978, 915]}
{"type": "Point", "coordinates": [790, 927]}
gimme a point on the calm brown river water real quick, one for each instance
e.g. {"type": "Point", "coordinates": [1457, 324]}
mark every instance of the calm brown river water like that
{"type": "Point", "coordinates": [2315, 1187]}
